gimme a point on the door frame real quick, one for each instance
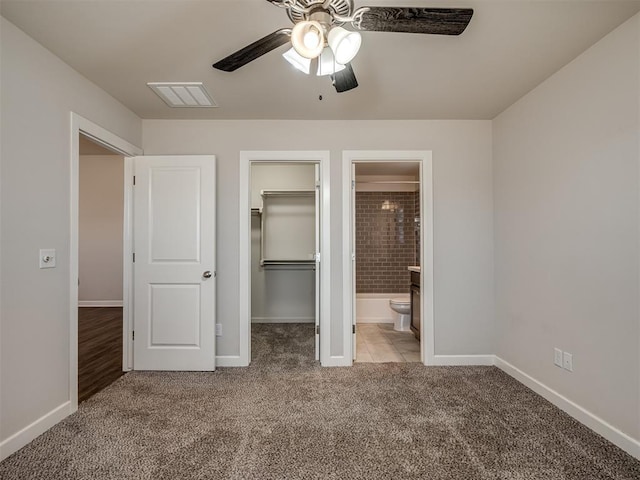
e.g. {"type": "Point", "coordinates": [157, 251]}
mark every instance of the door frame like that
{"type": "Point", "coordinates": [322, 158]}
{"type": "Point", "coordinates": [111, 141]}
{"type": "Point", "coordinates": [424, 159]}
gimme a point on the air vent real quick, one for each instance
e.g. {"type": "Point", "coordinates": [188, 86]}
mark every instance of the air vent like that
{"type": "Point", "coordinates": [183, 95]}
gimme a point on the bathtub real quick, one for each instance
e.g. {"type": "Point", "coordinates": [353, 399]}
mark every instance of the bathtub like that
{"type": "Point", "coordinates": [374, 307]}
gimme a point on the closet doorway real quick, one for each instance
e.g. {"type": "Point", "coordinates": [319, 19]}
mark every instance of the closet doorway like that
{"type": "Point", "coordinates": [285, 245]}
{"type": "Point", "coordinates": [283, 256]}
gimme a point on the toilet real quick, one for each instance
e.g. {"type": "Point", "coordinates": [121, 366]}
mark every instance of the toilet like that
{"type": "Point", "coordinates": [402, 307]}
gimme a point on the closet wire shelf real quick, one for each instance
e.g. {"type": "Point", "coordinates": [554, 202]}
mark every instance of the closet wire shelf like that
{"type": "Point", "coordinates": [281, 263]}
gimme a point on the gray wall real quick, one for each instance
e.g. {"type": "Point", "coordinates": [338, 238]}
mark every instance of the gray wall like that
{"type": "Point", "coordinates": [566, 229]}
{"type": "Point", "coordinates": [38, 93]}
{"type": "Point", "coordinates": [101, 214]}
{"type": "Point", "coordinates": [463, 209]}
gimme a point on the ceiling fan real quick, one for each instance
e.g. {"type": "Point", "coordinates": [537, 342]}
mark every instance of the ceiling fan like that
{"type": "Point", "coordinates": [318, 34]}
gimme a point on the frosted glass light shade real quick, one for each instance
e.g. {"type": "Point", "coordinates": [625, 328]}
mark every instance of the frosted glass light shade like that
{"type": "Point", "coordinates": [298, 61]}
{"type": "Point", "coordinates": [307, 38]}
{"type": "Point", "coordinates": [345, 44]}
{"type": "Point", "coordinates": [327, 64]}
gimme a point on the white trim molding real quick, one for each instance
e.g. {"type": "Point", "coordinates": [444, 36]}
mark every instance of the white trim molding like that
{"type": "Point", "coordinates": [99, 303]}
{"type": "Point", "coordinates": [424, 159]}
{"type": "Point", "coordinates": [19, 439]}
{"type": "Point", "coordinates": [229, 361]}
{"type": "Point", "coordinates": [322, 158]}
{"type": "Point", "coordinates": [595, 423]}
{"type": "Point", "coordinates": [283, 320]}
{"type": "Point", "coordinates": [463, 360]}
{"type": "Point", "coordinates": [98, 134]}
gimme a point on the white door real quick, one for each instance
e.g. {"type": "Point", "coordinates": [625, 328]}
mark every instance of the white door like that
{"type": "Point", "coordinates": [317, 257]}
{"type": "Point", "coordinates": [174, 263]}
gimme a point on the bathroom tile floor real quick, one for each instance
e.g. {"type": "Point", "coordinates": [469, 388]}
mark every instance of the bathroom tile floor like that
{"type": "Point", "coordinates": [379, 342]}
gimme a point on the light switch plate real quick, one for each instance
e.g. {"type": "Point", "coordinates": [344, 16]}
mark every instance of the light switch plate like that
{"type": "Point", "coordinates": [47, 258]}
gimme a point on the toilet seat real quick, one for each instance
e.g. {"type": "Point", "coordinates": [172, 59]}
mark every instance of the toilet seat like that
{"type": "Point", "coordinates": [400, 301]}
{"type": "Point", "coordinates": [402, 307]}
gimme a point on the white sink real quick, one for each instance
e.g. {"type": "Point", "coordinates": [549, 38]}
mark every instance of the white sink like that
{"type": "Point", "coordinates": [414, 269]}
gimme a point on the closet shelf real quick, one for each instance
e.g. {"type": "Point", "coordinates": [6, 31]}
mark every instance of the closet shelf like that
{"type": "Point", "coordinates": [289, 264]}
{"type": "Point", "coordinates": [287, 229]}
{"type": "Point", "coordinates": [287, 193]}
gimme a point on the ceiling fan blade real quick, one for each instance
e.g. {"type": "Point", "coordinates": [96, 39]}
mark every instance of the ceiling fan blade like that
{"type": "Point", "coordinates": [438, 21]}
{"type": "Point", "coordinates": [344, 80]}
{"type": "Point", "coordinates": [253, 51]}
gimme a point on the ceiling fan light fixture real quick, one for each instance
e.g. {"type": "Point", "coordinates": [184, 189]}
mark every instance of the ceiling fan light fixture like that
{"type": "Point", "coordinates": [345, 44]}
{"type": "Point", "coordinates": [298, 61]}
{"type": "Point", "coordinates": [327, 64]}
{"type": "Point", "coordinates": [307, 38]}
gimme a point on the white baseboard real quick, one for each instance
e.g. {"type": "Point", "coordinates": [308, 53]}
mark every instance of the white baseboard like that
{"type": "Point", "coordinates": [373, 320]}
{"type": "Point", "coordinates": [283, 320]}
{"type": "Point", "coordinates": [595, 423]}
{"type": "Point", "coordinates": [462, 360]}
{"type": "Point", "coordinates": [19, 439]}
{"type": "Point", "coordinates": [338, 361]}
{"type": "Point", "coordinates": [230, 361]}
{"type": "Point", "coordinates": [99, 303]}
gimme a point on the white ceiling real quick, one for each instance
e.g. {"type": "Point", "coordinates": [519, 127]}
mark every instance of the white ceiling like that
{"type": "Point", "coordinates": [508, 49]}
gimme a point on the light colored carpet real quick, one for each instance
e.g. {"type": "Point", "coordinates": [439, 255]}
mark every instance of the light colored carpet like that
{"type": "Point", "coordinates": [286, 418]}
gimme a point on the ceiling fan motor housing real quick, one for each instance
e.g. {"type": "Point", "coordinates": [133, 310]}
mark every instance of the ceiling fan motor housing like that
{"type": "Point", "coordinates": [323, 18]}
{"type": "Point", "coordinates": [341, 8]}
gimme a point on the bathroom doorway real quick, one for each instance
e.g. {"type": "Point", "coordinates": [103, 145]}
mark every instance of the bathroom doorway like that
{"type": "Point", "coordinates": [389, 239]}
{"type": "Point", "coordinates": [387, 244]}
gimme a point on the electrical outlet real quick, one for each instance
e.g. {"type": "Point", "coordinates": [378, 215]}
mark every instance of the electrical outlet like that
{"type": "Point", "coordinates": [557, 357]}
{"type": "Point", "coordinates": [218, 329]}
{"type": "Point", "coordinates": [567, 361]}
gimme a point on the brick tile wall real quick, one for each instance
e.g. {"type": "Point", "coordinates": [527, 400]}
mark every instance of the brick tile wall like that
{"type": "Point", "coordinates": [385, 241]}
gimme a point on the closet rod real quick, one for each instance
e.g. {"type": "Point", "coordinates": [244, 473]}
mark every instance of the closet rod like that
{"type": "Point", "coordinates": [287, 193]}
{"type": "Point", "coordinates": [385, 182]}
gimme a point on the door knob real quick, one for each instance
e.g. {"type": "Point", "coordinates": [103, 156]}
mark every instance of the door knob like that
{"type": "Point", "coordinates": [207, 274]}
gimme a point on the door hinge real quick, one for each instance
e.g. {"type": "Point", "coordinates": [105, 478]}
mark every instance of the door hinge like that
{"type": "Point", "coordinates": [134, 180]}
{"type": "Point", "coordinates": [353, 184]}
{"type": "Point", "coordinates": [133, 334]}
{"type": "Point", "coordinates": [317, 329]}
{"type": "Point", "coordinates": [354, 329]}
{"type": "Point", "coordinates": [134, 258]}
{"type": "Point", "coordinates": [318, 185]}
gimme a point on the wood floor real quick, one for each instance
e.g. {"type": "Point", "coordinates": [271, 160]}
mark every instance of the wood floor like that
{"type": "Point", "coordinates": [99, 349]}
